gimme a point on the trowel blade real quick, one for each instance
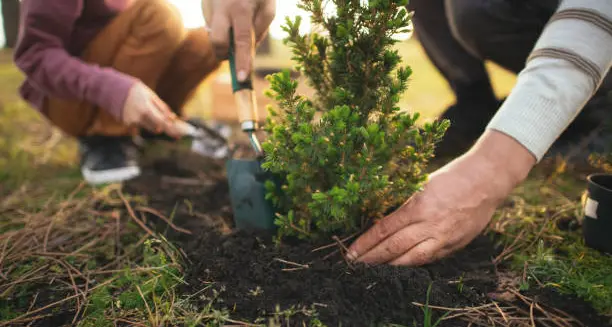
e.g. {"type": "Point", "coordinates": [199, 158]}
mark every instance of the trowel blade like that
{"type": "Point", "coordinates": [247, 191]}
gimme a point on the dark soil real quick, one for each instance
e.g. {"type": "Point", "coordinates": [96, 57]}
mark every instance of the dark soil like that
{"type": "Point", "coordinates": [253, 277]}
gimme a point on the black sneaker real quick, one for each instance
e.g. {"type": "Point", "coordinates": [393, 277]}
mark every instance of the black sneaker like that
{"type": "Point", "coordinates": [107, 159]}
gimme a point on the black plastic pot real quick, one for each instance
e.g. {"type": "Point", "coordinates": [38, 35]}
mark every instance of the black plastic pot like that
{"type": "Point", "coordinates": [597, 224]}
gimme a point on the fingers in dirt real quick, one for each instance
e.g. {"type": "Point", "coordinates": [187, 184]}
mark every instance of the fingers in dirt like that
{"type": "Point", "coordinates": [395, 245]}
{"type": "Point", "coordinates": [423, 253]}
{"type": "Point", "coordinates": [381, 230]}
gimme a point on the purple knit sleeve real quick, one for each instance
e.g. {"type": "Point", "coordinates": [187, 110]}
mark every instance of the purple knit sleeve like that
{"type": "Point", "coordinates": [41, 55]}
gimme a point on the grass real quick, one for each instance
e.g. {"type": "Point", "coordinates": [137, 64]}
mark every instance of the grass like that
{"type": "Point", "coordinates": [97, 264]}
{"type": "Point", "coordinates": [540, 227]}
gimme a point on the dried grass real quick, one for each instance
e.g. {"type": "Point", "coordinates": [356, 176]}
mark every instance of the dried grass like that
{"type": "Point", "coordinates": [71, 247]}
{"type": "Point", "coordinates": [530, 314]}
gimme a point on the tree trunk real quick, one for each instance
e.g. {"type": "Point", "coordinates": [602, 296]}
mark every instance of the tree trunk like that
{"type": "Point", "coordinates": [10, 16]}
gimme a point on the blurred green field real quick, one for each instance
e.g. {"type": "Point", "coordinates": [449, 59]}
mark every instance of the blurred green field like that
{"type": "Point", "coordinates": [428, 93]}
{"type": "Point", "coordinates": [27, 141]}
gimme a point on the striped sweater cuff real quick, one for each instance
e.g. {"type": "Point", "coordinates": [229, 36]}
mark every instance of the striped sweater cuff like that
{"type": "Point", "coordinates": [532, 117]}
{"type": "Point", "coordinates": [563, 71]}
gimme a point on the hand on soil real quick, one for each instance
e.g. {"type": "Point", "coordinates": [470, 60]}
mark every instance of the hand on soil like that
{"type": "Point", "coordinates": [143, 108]}
{"type": "Point", "coordinates": [250, 20]}
{"type": "Point", "coordinates": [455, 206]}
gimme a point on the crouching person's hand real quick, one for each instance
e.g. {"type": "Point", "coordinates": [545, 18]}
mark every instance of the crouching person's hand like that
{"type": "Point", "coordinates": [455, 206]}
{"type": "Point", "coordinates": [144, 109]}
{"type": "Point", "coordinates": [249, 19]}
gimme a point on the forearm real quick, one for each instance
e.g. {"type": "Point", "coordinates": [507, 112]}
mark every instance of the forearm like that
{"type": "Point", "coordinates": [567, 65]}
{"type": "Point", "coordinates": [41, 56]}
{"type": "Point", "coordinates": [62, 76]}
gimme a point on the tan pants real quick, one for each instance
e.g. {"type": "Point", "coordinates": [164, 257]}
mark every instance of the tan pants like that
{"type": "Point", "coordinates": [147, 41]}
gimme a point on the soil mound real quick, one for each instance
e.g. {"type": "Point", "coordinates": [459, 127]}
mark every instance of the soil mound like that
{"type": "Point", "coordinates": [253, 279]}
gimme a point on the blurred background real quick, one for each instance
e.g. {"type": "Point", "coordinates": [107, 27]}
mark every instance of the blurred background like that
{"type": "Point", "coordinates": [428, 93]}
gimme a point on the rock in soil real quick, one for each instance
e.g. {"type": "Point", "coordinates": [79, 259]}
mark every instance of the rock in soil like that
{"type": "Point", "coordinates": [253, 278]}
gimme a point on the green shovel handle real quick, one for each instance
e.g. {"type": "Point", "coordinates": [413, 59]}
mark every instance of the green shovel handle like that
{"type": "Point", "coordinates": [237, 85]}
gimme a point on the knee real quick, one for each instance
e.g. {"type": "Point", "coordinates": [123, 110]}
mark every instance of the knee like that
{"type": "Point", "coordinates": [465, 19]}
{"type": "Point", "coordinates": [158, 20]}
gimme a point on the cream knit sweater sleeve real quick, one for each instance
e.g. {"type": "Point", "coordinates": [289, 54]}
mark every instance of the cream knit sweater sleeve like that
{"type": "Point", "coordinates": [565, 68]}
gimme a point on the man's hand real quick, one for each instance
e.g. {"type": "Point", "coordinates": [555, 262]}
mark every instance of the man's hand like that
{"type": "Point", "coordinates": [143, 108]}
{"type": "Point", "coordinates": [455, 206]}
{"type": "Point", "coordinates": [250, 20]}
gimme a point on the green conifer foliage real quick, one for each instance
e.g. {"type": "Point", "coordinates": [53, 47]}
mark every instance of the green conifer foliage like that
{"type": "Point", "coordinates": [361, 156]}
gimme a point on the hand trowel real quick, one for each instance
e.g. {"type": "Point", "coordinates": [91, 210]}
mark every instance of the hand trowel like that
{"type": "Point", "coordinates": [246, 177]}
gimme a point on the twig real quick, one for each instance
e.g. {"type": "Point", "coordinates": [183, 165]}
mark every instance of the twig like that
{"type": "Point", "coordinates": [24, 320]}
{"type": "Point", "coordinates": [3, 254]}
{"type": "Point", "coordinates": [547, 314]}
{"type": "Point", "coordinates": [334, 243]}
{"type": "Point", "coordinates": [47, 232]}
{"type": "Point", "coordinates": [330, 254]}
{"type": "Point", "coordinates": [58, 254]}
{"type": "Point", "coordinates": [531, 302]}
{"type": "Point", "coordinates": [509, 249]}
{"type": "Point", "coordinates": [162, 217]}
{"type": "Point", "coordinates": [90, 243]}
{"type": "Point", "coordinates": [22, 278]}
{"type": "Point", "coordinates": [116, 215]}
{"type": "Point", "coordinates": [117, 260]}
{"type": "Point", "coordinates": [501, 312]}
{"type": "Point", "coordinates": [343, 247]}
{"type": "Point", "coordinates": [33, 301]}
{"type": "Point", "coordinates": [454, 309]}
{"type": "Point", "coordinates": [137, 269]}
{"type": "Point", "coordinates": [131, 323]}
{"type": "Point", "coordinates": [240, 323]}
{"type": "Point", "coordinates": [76, 291]}
{"type": "Point", "coordinates": [133, 215]}
{"type": "Point", "coordinates": [145, 302]}
{"type": "Point", "coordinates": [19, 281]}
{"type": "Point", "coordinates": [20, 318]}
{"type": "Point", "coordinates": [292, 263]}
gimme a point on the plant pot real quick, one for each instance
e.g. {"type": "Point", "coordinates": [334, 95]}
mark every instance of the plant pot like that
{"type": "Point", "coordinates": [247, 192]}
{"type": "Point", "coordinates": [597, 223]}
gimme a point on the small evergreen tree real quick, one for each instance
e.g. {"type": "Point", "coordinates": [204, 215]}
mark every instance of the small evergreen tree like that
{"type": "Point", "coordinates": [362, 156]}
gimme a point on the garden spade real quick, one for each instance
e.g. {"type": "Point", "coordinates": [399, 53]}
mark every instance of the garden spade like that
{"type": "Point", "coordinates": [246, 177]}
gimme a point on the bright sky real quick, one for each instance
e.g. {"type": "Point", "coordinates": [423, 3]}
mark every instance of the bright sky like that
{"type": "Point", "coordinates": [192, 15]}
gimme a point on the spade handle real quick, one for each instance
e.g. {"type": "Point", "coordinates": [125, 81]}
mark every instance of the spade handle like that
{"type": "Point", "coordinates": [244, 94]}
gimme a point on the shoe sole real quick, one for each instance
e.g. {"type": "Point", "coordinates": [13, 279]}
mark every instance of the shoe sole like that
{"type": "Point", "coordinates": [110, 176]}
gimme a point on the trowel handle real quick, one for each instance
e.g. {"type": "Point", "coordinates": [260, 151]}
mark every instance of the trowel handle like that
{"type": "Point", "coordinates": [243, 92]}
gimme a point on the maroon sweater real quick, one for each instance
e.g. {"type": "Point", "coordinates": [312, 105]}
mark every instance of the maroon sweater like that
{"type": "Point", "coordinates": [53, 34]}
